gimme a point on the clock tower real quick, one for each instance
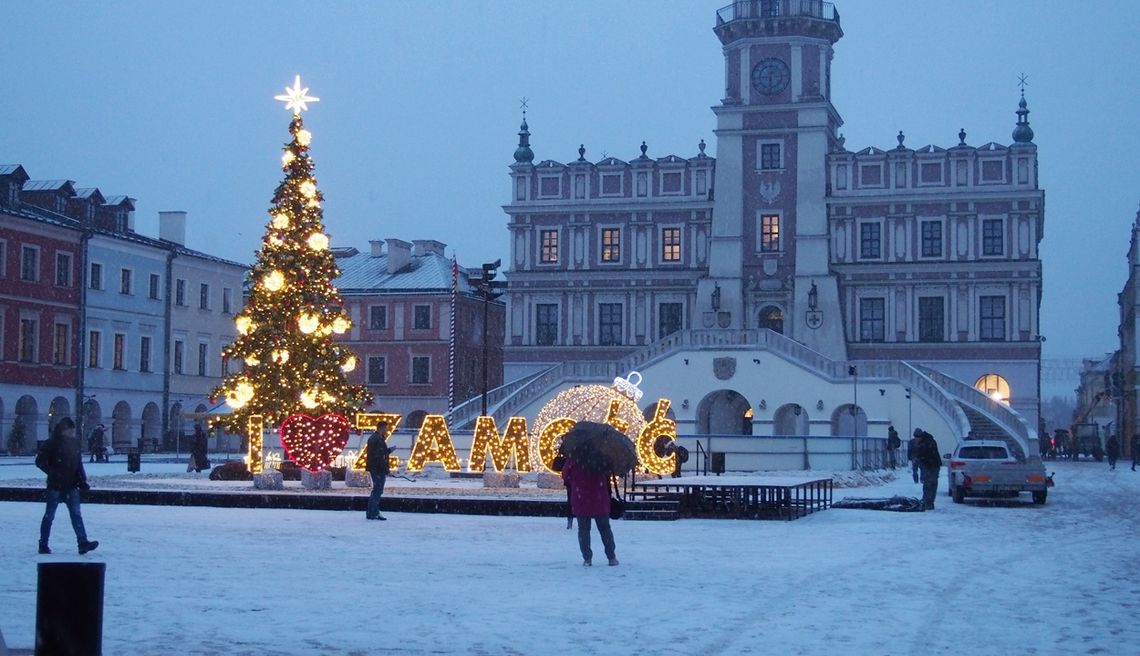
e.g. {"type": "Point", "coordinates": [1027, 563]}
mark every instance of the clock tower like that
{"type": "Point", "coordinates": [769, 251]}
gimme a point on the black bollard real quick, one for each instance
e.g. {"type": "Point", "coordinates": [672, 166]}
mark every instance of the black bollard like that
{"type": "Point", "coordinates": [69, 609]}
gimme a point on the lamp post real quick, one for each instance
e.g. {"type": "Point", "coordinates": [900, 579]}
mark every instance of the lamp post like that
{"type": "Point", "coordinates": [489, 289]}
{"type": "Point", "coordinates": [909, 414]}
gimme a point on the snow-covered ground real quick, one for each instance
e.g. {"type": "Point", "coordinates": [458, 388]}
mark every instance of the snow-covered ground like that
{"type": "Point", "coordinates": [964, 579]}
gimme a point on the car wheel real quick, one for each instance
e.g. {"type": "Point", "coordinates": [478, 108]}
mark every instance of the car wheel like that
{"type": "Point", "coordinates": [1039, 497]}
{"type": "Point", "coordinates": [959, 494]}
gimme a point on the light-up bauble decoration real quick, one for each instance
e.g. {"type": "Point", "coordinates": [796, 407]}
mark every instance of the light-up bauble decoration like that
{"type": "Point", "coordinates": [308, 189]}
{"type": "Point", "coordinates": [296, 98]}
{"type": "Point", "coordinates": [252, 361]}
{"type": "Point", "coordinates": [304, 137]}
{"type": "Point", "coordinates": [586, 403]}
{"type": "Point", "coordinates": [273, 281]}
{"type": "Point", "coordinates": [243, 324]}
{"type": "Point", "coordinates": [340, 325]}
{"type": "Point", "coordinates": [318, 241]}
{"type": "Point", "coordinates": [274, 240]}
{"type": "Point", "coordinates": [349, 364]}
{"type": "Point", "coordinates": [280, 221]}
{"type": "Point", "coordinates": [309, 399]}
{"type": "Point", "coordinates": [314, 203]}
{"type": "Point", "coordinates": [312, 442]}
{"type": "Point", "coordinates": [287, 158]}
{"type": "Point", "coordinates": [241, 394]}
{"type": "Point", "coordinates": [308, 323]}
{"type": "Point", "coordinates": [280, 356]}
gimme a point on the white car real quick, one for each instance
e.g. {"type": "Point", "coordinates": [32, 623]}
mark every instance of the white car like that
{"type": "Point", "coordinates": [987, 468]}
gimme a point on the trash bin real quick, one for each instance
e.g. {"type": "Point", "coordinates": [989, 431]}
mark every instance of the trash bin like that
{"type": "Point", "coordinates": [134, 460]}
{"type": "Point", "coordinates": [69, 609]}
{"type": "Point", "coordinates": [716, 460]}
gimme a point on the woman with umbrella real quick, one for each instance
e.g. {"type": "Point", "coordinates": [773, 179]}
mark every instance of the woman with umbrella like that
{"type": "Point", "coordinates": [594, 453]}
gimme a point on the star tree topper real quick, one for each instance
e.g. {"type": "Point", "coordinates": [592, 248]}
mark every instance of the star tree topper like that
{"type": "Point", "coordinates": [296, 98]}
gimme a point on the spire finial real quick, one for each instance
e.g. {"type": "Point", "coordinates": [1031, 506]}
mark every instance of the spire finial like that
{"type": "Point", "coordinates": [643, 149]}
{"type": "Point", "coordinates": [523, 154]}
{"type": "Point", "coordinates": [581, 152]}
{"type": "Point", "coordinates": [961, 136]}
{"type": "Point", "coordinates": [901, 139]}
{"type": "Point", "coordinates": [1022, 133]}
{"type": "Point", "coordinates": [701, 147]}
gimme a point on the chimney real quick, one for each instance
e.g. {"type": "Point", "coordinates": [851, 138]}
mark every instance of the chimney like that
{"type": "Point", "coordinates": [399, 254]}
{"type": "Point", "coordinates": [428, 247]}
{"type": "Point", "coordinates": [377, 247]}
{"type": "Point", "coordinates": [171, 227]}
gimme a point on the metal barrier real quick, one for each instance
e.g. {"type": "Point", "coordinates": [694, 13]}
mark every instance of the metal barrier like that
{"type": "Point", "coordinates": [784, 453]}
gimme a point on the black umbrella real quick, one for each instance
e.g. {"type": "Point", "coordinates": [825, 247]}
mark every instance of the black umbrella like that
{"type": "Point", "coordinates": [599, 448]}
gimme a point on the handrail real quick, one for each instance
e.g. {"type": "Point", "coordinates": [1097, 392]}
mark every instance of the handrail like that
{"type": "Point", "coordinates": [747, 9]}
{"type": "Point", "coordinates": [999, 413]}
{"type": "Point", "coordinates": [470, 409]}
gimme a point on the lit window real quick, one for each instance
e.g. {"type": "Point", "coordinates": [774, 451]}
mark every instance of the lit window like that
{"type": "Point", "coordinates": [995, 387]}
{"type": "Point", "coordinates": [770, 233]}
{"type": "Point", "coordinates": [671, 244]}
{"type": "Point", "coordinates": [549, 246]}
{"type": "Point", "coordinates": [611, 245]}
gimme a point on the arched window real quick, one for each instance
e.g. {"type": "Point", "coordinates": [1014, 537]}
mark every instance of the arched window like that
{"type": "Point", "coordinates": [994, 386]}
{"type": "Point", "coordinates": [772, 318]}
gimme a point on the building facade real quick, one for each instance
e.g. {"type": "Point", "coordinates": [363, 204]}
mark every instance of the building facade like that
{"type": "Point", "coordinates": [1128, 357]}
{"type": "Point", "coordinates": [87, 314]}
{"type": "Point", "coordinates": [417, 328]}
{"type": "Point", "coordinates": [926, 256]}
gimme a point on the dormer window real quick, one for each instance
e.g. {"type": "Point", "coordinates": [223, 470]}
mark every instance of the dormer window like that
{"type": "Point", "coordinates": [671, 182]}
{"type": "Point", "coordinates": [993, 170]}
{"type": "Point", "coordinates": [871, 175]}
{"type": "Point", "coordinates": [930, 173]}
{"type": "Point", "coordinates": [611, 184]}
{"type": "Point", "coordinates": [550, 186]}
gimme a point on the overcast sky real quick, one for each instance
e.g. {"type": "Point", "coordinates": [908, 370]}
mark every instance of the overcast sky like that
{"type": "Point", "coordinates": [172, 103]}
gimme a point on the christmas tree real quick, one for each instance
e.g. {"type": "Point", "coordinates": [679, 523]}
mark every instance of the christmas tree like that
{"type": "Point", "coordinates": [285, 332]}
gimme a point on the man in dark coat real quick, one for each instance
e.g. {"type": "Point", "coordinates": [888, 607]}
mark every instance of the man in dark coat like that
{"type": "Point", "coordinates": [98, 448]}
{"type": "Point", "coordinates": [1135, 450]}
{"type": "Point", "coordinates": [199, 447]}
{"type": "Point", "coordinates": [59, 457]}
{"type": "Point", "coordinates": [925, 452]}
{"type": "Point", "coordinates": [1112, 450]}
{"type": "Point", "coordinates": [893, 444]}
{"type": "Point", "coordinates": [376, 464]}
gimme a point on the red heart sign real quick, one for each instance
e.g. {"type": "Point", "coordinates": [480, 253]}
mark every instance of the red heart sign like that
{"type": "Point", "coordinates": [313, 443]}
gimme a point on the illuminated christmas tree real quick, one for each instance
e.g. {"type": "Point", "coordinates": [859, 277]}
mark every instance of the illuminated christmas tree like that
{"type": "Point", "coordinates": [285, 332]}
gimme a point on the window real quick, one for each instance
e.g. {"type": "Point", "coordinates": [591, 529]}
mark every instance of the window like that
{"type": "Point", "coordinates": [991, 314]}
{"type": "Point", "coordinates": [204, 296]}
{"type": "Point", "coordinates": [770, 157]}
{"type": "Point", "coordinates": [611, 245]}
{"type": "Point", "coordinates": [702, 183]}
{"type": "Point", "coordinates": [377, 371]}
{"type": "Point", "coordinates": [378, 317]}
{"type": "Point", "coordinates": [671, 183]}
{"type": "Point", "coordinates": [770, 233]}
{"type": "Point", "coordinates": [179, 348]}
{"type": "Point", "coordinates": [62, 270]}
{"type": "Point", "coordinates": [963, 170]}
{"type": "Point", "coordinates": [931, 239]}
{"type": "Point", "coordinates": [120, 347]}
{"type": "Point", "coordinates": [931, 173]}
{"type": "Point", "coordinates": [203, 353]}
{"type": "Point", "coordinates": [152, 289]}
{"type": "Point", "coordinates": [124, 281]}
{"type": "Point", "coordinates": [28, 331]}
{"type": "Point", "coordinates": [609, 324]}
{"type": "Point", "coordinates": [668, 319]}
{"type": "Point", "coordinates": [992, 242]}
{"type": "Point", "coordinates": [642, 184]}
{"type": "Point", "coordinates": [144, 354]}
{"type": "Point", "coordinates": [61, 343]}
{"type": "Point", "coordinates": [871, 175]}
{"type": "Point", "coordinates": [900, 174]}
{"type": "Point", "coordinates": [870, 241]}
{"type": "Point", "coordinates": [545, 324]}
{"type": "Point", "coordinates": [520, 188]}
{"type": "Point", "coordinates": [931, 319]}
{"type": "Point", "coordinates": [29, 263]}
{"type": "Point", "coordinates": [93, 346]}
{"type": "Point", "coordinates": [96, 281]}
{"type": "Point", "coordinates": [611, 184]}
{"type": "Point", "coordinates": [227, 300]}
{"type": "Point", "coordinates": [579, 186]}
{"type": "Point", "coordinates": [671, 244]}
{"type": "Point", "coordinates": [1023, 170]}
{"type": "Point", "coordinates": [421, 370]}
{"type": "Point", "coordinates": [549, 240]}
{"type": "Point", "coordinates": [841, 176]}
{"type": "Point", "coordinates": [422, 320]}
{"type": "Point", "coordinates": [993, 386]}
{"type": "Point", "coordinates": [872, 320]}
{"type": "Point", "coordinates": [180, 292]}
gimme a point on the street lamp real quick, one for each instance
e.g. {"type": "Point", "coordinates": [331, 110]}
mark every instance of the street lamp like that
{"type": "Point", "coordinates": [490, 289]}
{"type": "Point", "coordinates": [909, 414]}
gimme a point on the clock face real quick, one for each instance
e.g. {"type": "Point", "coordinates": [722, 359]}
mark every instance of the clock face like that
{"type": "Point", "coordinates": [770, 76]}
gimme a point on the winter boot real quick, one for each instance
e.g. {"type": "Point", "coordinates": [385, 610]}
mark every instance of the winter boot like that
{"type": "Point", "coordinates": [614, 562]}
{"type": "Point", "coordinates": [90, 545]}
{"type": "Point", "coordinates": [44, 549]}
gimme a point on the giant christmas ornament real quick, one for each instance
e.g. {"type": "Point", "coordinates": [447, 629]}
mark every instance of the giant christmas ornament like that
{"type": "Point", "coordinates": [614, 404]}
{"type": "Point", "coordinates": [314, 442]}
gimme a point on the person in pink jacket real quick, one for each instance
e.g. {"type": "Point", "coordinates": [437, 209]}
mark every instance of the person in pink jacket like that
{"type": "Point", "coordinates": [590, 500]}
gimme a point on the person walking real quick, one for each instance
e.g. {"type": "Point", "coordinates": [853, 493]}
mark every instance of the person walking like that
{"type": "Point", "coordinates": [59, 457]}
{"type": "Point", "coordinates": [199, 450]}
{"type": "Point", "coordinates": [1135, 450]}
{"type": "Point", "coordinates": [930, 462]}
{"type": "Point", "coordinates": [590, 502]}
{"type": "Point", "coordinates": [893, 444]}
{"type": "Point", "coordinates": [1112, 450]}
{"type": "Point", "coordinates": [98, 446]}
{"type": "Point", "coordinates": [376, 464]}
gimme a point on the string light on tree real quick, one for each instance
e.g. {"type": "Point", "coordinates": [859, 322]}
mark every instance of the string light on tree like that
{"type": "Point", "coordinates": [292, 364]}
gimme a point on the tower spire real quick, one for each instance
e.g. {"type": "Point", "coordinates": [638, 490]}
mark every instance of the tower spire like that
{"type": "Point", "coordinates": [1022, 133]}
{"type": "Point", "coordinates": [523, 154]}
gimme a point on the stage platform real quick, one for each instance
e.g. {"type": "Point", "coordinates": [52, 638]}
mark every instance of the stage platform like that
{"type": "Point", "coordinates": [740, 496]}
